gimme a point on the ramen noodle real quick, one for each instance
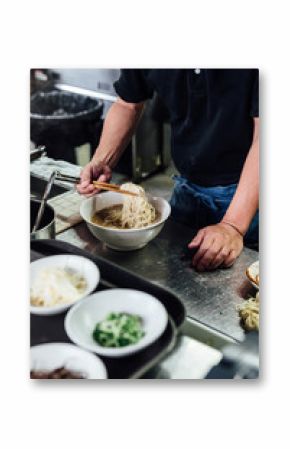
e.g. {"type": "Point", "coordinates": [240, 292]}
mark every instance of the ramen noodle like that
{"type": "Point", "coordinates": [134, 213]}
{"type": "Point", "coordinates": [250, 313]}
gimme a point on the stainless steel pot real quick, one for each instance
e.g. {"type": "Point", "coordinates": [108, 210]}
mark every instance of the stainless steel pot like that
{"type": "Point", "coordinates": [46, 228]}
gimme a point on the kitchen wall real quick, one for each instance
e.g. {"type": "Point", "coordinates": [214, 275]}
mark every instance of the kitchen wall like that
{"type": "Point", "coordinates": [95, 79]}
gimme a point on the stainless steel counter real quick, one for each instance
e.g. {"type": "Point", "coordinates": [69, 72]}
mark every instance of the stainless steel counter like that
{"type": "Point", "coordinates": [210, 298]}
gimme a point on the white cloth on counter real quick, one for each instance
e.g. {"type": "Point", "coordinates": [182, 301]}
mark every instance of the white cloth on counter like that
{"type": "Point", "coordinates": [44, 166]}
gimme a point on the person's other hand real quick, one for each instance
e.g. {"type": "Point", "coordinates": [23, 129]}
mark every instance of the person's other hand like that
{"type": "Point", "coordinates": [93, 171]}
{"type": "Point", "coordinates": [216, 246]}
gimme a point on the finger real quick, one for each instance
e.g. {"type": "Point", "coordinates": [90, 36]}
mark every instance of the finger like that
{"type": "Point", "coordinates": [87, 190]}
{"type": "Point", "coordinates": [200, 268]}
{"type": "Point", "coordinates": [88, 195]}
{"type": "Point", "coordinates": [197, 239]}
{"type": "Point", "coordinates": [205, 245]}
{"type": "Point", "coordinates": [220, 258]}
{"type": "Point", "coordinates": [198, 255]}
{"type": "Point", "coordinates": [209, 256]}
{"type": "Point", "coordinates": [86, 175]}
{"type": "Point", "coordinates": [107, 172]}
{"type": "Point", "coordinates": [202, 264]}
{"type": "Point", "coordinates": [81, 190]}
{"type": "Point", "coordinates": [230, 259]}
{"type": "Point", "coordinates": [103, 178]}
{"type": "Point", "coordinates": [90, 172]}
{"type": "Point", "coordinates": [82, 187]}
{"type": "Point", "coordinates": [101, 172]}
{"type": "Point", "coordinates": [205, 261]}
{"type": "Point", "coordinates": [84, 184]}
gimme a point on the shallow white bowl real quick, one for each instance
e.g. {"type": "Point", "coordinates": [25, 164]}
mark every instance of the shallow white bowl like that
{"type": "Point", "coordinates": [49, 356]}
{"type": "Point", "coordinates": [252, 272]}
{"type": "Point", "coordinates": [122, 239]}
{"type": "Point", "coordinates": [82, 318]}
{"type": "Point", "coordinates": [83, 266]}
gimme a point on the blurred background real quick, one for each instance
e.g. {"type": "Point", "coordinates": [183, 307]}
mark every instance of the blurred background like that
{"type": "Point", "coordinates": [68, 108]}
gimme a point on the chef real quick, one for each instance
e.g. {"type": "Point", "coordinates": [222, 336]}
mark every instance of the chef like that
{"type": "Point", "coordinates": [214, 118]}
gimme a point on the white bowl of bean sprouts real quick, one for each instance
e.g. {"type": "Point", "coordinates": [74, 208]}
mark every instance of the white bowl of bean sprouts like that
{"type": "Point", "coordinates": [129, 231]}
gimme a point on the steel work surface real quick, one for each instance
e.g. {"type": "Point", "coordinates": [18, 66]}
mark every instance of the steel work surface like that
{"type": "Point", "coordinates": [209, 297]}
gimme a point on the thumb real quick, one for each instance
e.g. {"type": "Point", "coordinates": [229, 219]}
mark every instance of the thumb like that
{"type": "Point", "coordinates": [197, 240]}
{"type": "Point", "coordinates": [86, 175]}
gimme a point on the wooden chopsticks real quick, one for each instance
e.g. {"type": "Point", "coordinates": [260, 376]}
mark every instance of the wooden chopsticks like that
{"type": "Point", "coordinates": [98, 184]}
{"type": "Point", "coordinates": [112, 188]}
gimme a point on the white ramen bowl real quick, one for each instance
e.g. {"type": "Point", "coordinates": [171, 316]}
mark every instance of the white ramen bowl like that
{"type": "Point", "coordinates": [122, 239]}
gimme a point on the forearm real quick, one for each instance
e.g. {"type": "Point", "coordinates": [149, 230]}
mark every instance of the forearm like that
{"type": "Point", "coordinates": [246, 199]}
{"type": "Point", "coordinates": [119, 126]}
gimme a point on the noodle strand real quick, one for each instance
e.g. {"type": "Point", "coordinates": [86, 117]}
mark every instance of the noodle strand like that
{"type": "Point", "coordinates": [136, 212]}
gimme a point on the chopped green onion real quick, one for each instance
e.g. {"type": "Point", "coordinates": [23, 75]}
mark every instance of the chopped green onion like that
{"type": "Point", "coordinates": [118, 330]}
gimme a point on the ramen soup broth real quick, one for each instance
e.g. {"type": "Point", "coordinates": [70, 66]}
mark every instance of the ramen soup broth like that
{"type": "Point", "coordinates": [110, 217]}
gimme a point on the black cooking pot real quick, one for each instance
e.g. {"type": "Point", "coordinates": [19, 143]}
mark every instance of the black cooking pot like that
{"type": "Point", "coordinates": [46, 229]}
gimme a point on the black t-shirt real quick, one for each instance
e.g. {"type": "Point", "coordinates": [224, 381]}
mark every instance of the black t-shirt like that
{"type": "Point", "coordinates": [211, 114]}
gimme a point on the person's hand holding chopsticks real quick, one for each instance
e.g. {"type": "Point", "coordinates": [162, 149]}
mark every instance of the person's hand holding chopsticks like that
{"type": "Point", "coordinates": [93, 171]}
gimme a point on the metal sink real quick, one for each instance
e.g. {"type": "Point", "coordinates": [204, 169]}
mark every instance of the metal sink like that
{"type": "Point", "coordinates": [37, 186]}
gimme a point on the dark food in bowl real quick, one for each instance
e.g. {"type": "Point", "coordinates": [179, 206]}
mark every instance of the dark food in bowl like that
{"type": "Point", "coordinates": [58, 373]}
{"type": "Point", "coordinates": [118, 330]}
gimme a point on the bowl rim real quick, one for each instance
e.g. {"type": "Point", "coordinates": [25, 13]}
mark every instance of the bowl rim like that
{"type": "Point", "coordinates": [249, 274]}
{"type": "Point", "coordinates": [127, 231]}
{"type": "Point", "coordinates": [98, 362]}
{"type": "Point", "coordinates": [53, 310]}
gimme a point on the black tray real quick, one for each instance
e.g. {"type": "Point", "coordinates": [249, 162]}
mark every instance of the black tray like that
{"type": "Point", "coordinates": [44, 329]}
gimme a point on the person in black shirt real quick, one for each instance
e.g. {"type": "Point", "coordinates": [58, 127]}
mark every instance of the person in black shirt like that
{"type": "Point", "coordinates": [215, 143]}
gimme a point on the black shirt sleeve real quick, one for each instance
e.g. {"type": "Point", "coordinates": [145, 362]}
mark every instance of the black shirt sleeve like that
{"type": "Point", "coordinates": [132, 86]}
{"type": "Point", "coordinates": [255, 95]}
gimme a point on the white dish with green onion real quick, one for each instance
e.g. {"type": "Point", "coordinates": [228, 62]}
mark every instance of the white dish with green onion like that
{"type": "Point", "coordinates": [116, 322]}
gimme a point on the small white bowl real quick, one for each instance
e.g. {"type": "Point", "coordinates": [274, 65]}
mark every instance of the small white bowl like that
{"type": "Point", "coordinates": [50, 356]}
{"type": "Point", "coordinates": [82, 318]}
{"type": "Point", "coordinates": [122, 239]}
{"type": "Point", "coordinates": [81, 265]}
